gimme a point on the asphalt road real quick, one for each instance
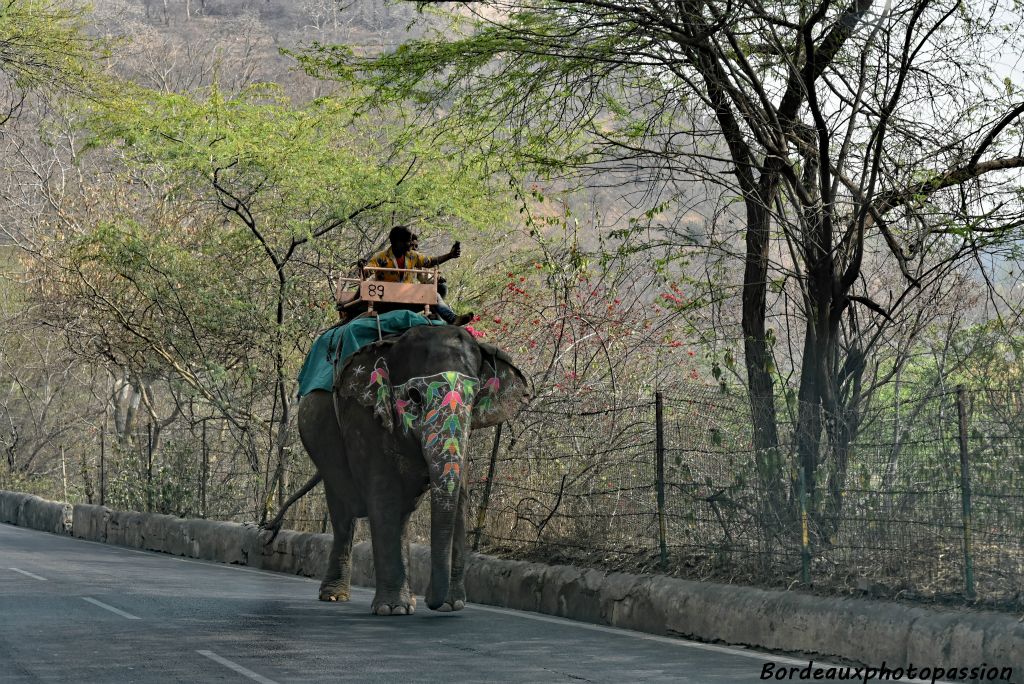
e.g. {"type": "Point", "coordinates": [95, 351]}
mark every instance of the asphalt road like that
{"type": "Point", "coordinates": [78, 611]}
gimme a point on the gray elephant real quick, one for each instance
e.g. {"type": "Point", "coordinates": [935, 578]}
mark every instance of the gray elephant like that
{"type": "Point", "coordinates": [398, 425]}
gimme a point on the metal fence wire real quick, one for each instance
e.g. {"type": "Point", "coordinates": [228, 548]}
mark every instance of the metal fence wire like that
{"type": "Point", "coordinates": [927, 506]}
{"type": "Point", "coordinates": [926, 503]}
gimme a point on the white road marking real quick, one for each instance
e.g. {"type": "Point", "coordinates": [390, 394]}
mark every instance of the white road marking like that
{"type": "Point", "coordinates": [28, 574]}
{"type": "Point", "coordinates": [236, 667]}
{"type": "Point", "coordinates": [112, 609]}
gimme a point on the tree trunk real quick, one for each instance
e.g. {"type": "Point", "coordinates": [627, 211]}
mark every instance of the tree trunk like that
{"type": "Point", "coordinates": [807, 433]}
{"type": "Point", "coordinates": [757, 355]}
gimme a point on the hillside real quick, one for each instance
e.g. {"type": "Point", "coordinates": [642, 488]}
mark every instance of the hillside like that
{"type": "Point", "coordinates": [183, 44]}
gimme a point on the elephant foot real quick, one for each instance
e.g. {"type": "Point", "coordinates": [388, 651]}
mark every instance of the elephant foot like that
{"type": "Point", "coordinates": [456, 600]}
{"type": "Point", "coordinates": [456, 597]}
{"type": "Point", "coordinates": [449, 606]}
{"type": "Point", "coordinates": [334, 593]}
{"type": "Point", "coordinates": [393, 606]}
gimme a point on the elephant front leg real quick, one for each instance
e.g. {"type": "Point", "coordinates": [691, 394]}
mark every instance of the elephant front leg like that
{"type": "Point", "coordinates": [406, 555]}
{"type": "Point", "coordinates": [337, 582]}
{"type": "Point", "coordinates": [393, 596]}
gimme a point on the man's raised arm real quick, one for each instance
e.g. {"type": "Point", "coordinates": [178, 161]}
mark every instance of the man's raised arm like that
{"type": "Point", "coordinates": [454, 253]}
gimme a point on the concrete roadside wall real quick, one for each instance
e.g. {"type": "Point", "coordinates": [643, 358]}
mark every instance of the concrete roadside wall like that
{"type": "Point", "coordinates": [872, 632]}
{"type": "Point", "coordinates": [27, 510]}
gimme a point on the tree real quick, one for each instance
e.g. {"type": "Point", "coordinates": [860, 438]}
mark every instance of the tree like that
{"type": "Point", "coordinates": [37, 407]}
{"type": "Point", "coordinates": [197, 267]}
{"type": "Point", "coordinates": [44, 50]}
{"type": "Point", "coordinates": [852, 137]}
{"type": "Point", "coordinates": [44, 47]}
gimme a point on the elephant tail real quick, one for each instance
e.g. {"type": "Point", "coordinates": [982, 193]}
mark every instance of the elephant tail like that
{"type": "Point", "coordinates": [275, 525]}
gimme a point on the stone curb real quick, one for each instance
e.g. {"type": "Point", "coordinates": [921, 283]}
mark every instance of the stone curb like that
{"type": "Point", "coordinates": [866, 631]}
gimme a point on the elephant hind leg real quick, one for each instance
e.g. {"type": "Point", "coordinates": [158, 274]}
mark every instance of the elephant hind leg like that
{"type": "Point", "coordinates": [337, 582]}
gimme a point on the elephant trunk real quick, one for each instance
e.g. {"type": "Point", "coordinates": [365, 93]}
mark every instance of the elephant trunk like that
{"type": "Point", "coordinates": [443, 509]}
{"type": "Point", "coordinates": [444, 452]}
{"type": "Point", "coordinates": [438, 409]}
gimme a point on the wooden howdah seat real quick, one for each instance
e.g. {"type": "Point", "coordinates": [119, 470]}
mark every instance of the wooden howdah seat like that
{"type": "Point", "coordinates": [377, 296]}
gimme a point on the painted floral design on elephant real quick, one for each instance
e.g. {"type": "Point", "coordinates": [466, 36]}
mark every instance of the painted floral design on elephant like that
{"type": "Point", "coordinates": [380, 385]}
{"type": "Point", "coordinates": [438, 409]}
{"type": "Point", "coordinates": [501, 391]}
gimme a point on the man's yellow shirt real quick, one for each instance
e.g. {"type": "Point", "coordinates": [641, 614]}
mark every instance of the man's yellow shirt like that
{"type": "Point", "coordinates": [386, 259]}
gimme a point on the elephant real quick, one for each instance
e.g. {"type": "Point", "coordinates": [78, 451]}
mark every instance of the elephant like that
{"type": "Point", "coordinates": [398, 425]}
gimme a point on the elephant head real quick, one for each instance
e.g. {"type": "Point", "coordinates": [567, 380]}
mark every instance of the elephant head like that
{"type": "Point", "coordinates": [432, 386]}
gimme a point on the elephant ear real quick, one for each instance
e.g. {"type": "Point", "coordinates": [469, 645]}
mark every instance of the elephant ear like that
{"type": "Point", "coordinates": [504, 389]}
{"type": "Point", "coordinates": [364, 379]}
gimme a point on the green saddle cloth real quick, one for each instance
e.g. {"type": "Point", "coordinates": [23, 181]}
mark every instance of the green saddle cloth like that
{"type": "Point", "coordinates": [318, 370]}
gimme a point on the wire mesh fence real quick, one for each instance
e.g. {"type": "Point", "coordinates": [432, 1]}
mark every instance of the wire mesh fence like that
{"type": "Point", "coordinates": [921, 504]}
{"type": "Point", "coordinates": [575, 483]}
{"type": "Point", "coordinates": [904, 511]}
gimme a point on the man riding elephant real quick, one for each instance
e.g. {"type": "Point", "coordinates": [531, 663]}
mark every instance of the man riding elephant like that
{"type": "Point", "coordinates": [403, 254]}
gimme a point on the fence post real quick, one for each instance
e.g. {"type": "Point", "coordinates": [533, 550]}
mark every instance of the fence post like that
{"type": "Point", "coordinates": [659, 448]}
{"type": "Point", "coordinates": [64, 472]}
{"type": "Point", "coordinates": [805, 536]}
{"type": "Point", "coordinates": [204, 475]}
{"type": "Point", "coordinates": [482, 513]}
{"type": "Point", "coordinates": [965, 492]}
{"type": "Point", "coordinates": [149, 466]}
{"type": "Point", "coordinates": [103, 465]}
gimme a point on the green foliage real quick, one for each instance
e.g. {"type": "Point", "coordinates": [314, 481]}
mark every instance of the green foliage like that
{"type": "Point", "coordinates": [302, 167]}
{"type": "Point", "coordinates": [223, 225]}
{"type": "Point", "coordinates": [44, 44]}
{"type": "Point", "coordinates": [985, 355]}
{"type": "Point", "coordinates": [536, 72]}
{"type": "Point", "coordinates": [193, 276]}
